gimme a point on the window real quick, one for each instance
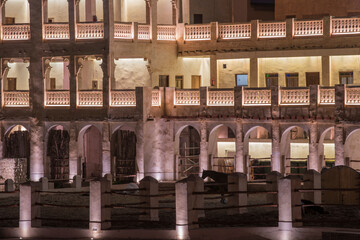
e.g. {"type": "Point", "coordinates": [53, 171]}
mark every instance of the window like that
{"type": "Point", "coordinates": [198, 18]}
{"type": "Point", "coordinates": [179, 82]}
{"type": "Point", "coordinates": [241, 80]}
{"type": "Point", "coordinates": [164, 81]}
{"type": "Point", "coordinates": [272, 79]}
{"type": "Point", "coordinates": [292, 79]}
{"type": "Point", "coordinates": [346, 77]}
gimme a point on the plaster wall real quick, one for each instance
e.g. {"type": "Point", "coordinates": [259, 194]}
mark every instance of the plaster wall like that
{"type": "Point", "coordinates": [164, 15]}
{"type": "Point", "coordinates": [58, 72]}
{"type": "Point", "coordinates": [131, 11]}
{"type": "Point", "coordinates": [260, 149]}
{"type": "Point", "coordinates": [345, 64]}
{"type": "Point", "coordinates": [19, 71]}
{"type": "Point", "coordinates": [58, 10]}
{"type": "Point", "coordinates": [91, 71]}
{"type": "Point", "coordinates": [18, 9]}
{"type": "Point", "coordinates": [98, 11]}
{"type": "Point", "coordinates": [131, 73]}
{"type": "Point", "coordinates": [299, 65]}
{"type": "Point", "coordinates": [226, 76]}
{"type": "Point", "coordinates": [299, 150]}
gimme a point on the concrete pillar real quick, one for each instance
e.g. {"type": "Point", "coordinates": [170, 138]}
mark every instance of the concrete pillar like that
{"type": "Point", "coordinates": [254, 72]}
{"type": "Point", "coordinates": [204, 157]}
{"type": "Point", "coordinates": [237, 182]}
{"type": "Point", "coordinates": [77, 182]}
{"type": "Point", "coordinates": [149, 186]}
{"type": "Point", "coordinates": [272, 180]}
{"type": "Point", "coordinates": [36, 149]}
{"type": "Point", "coordinates": [106, 158]}
{"type": "Point", "coordinates": [339, 145]}
{"type": "Point", "coordinates": [72, 17]}
{"type": "Point", "coordinates": [314, 162]}
{"type": "Point", "coordinates": [289, 202]}
{"type": "Point", "coordinates": [239, 155]}
{"type": "Point", "coordinates": [28, 210]}
{"type": "Point", "coordinates": [9, 185]}
{"type": "Point", "coordinates": [312, 180]}
{"type": "Point", "coordinates": [140, 149]}
{"type": "Point", "coordinates": [326, 71]}
{"type": "Point", "coordinates": [275, 145]}
{"type": "Point", "coordinates": [99, 215]}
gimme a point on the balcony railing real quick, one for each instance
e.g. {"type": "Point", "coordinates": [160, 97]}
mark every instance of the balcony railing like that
{"type": "Point", "coordinates": [198, 32]}
{"type": "Point", "coordinates": [259, 97]}
{"type": "Point", "coordinates": [234, 31]}
{"type": "Point", "coordinates": [123, 98]}
{"type": "Point", "coordinates": [220, 98]}
{"type": "Point", "coordinates": [57, 98]}
{"type": "Point", "coordinates": [298, 96]}
{"type": "Point", "coordinates": [89, 30]}
{"type": "Point", "coordinates": [123, 30]}
{"type": "Point", "coordinates": [16, 32]}
{"type": "Point", "coordinates": [326, 96]}
{"type": "Point", "coordinates": [166, 32]}
{"type": "Point", "coordinates": [90, 98]}
{"type": "Point", "coordinates": [352, 96]}
{"type": "Point", "coordinates": [144, 32]}
{"type": "Point", "coordinates": [187, 97]}
{"type": "Point", "coordinates": [56, 31]}
{"type": "Point", "coordinates": [156, 98]}
{"type": "Point", "coordinates": [308, 28]}
{"type": "Point", "coordinates": [16, 99]}
{"type": "Point", "coordinates": [345, 26]}
{"type": "Point", "coordinates": [272, 30]}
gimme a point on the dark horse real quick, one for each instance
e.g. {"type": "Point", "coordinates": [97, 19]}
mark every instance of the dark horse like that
{"type": "Point", "coordinates": [221, 182]}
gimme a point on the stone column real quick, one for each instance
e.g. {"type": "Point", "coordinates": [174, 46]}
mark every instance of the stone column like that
{"type": "Point", "coordinates": [140, 149]}
{"type": "Point", "coordinates": [289, 28]}
{"type": "Point", "coordinates": [203, 158]}
{"type": "Point", "coordinates": [153, 19]}
{"type": "Point", "coordinates": [99, 214]}
{"type": "Point", "coordinates": [36, 149]}
{"type": "Point", "coordinates": [213, 71]}
{"type": "Point", "coordinates": [326, 70]}
{"type": "Point", "coordinates": [73, 83]}
{"type": "Point", "coordinates": [106, 66]}
{"type": "Point", "coordinates": [73, 152]}
{"type": "Point", "coordinates": [314, 162]}
{"type": "Point", "coordinates": [275, 145]}
{"type": "Point", "coordinates": [106, 158]}
{"type": "Point", "coordinates": [254, 29]}
{"type": "Point", "coordinates": [339, 145]}
{"type": "Point", "coordinates": [240, 165]}
{"type": "Point", "coordinates": [175, 12]}
{"type": "Point", "coordinates": [254, 73]}
{"type": "Point", "coordinates": [71, 9]}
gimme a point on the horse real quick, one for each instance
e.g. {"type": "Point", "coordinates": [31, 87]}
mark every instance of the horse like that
{"type": "Point", "coordinates": [221, 182]}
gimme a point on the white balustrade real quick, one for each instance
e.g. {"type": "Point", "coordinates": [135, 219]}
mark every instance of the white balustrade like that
{"type": "Point", "coordinates": [187, 97]}
{"type": "Point", "coordinates": [327, 96]}
{"type": "Point", "coordinates": [144, 32]}
{"type": "Point", "coordinates": [308, 28]}
{"type": "Point", "coordinates": [260, 97]}
{"type": "Point", "coordinates": [16, 32]}
{"type": "Point", "coordinates": [166, 32]}
{"type": "Point", "coordinates": [123, 30]}
{"type": "Point", "coordinates": [272, 30]}
{"type": "Point", "coordinates": [156, 98]}
{"type": "Point", "coordinates": [57, 98]}
{"type": "Point", "coordinates": [197, 32]}
{"type": "Point", "coordinates": [220, 98]}
{"type": "Point", "coordinates": [345, 26]}
{"type": "Point", "coordinates": [56, 31]}
{"type": "Point", "coordinates": [123, 98]}
{"type": "Point", "coordinates": [90, 98]}
{"type": "Point", "coordinates": [16, 99]}
{"type": "Point", "coordinates": [234, 31]}
{"type": "Point", "coordinates": [352, 96]}
{"type": "Point", "coordinates": [89, 30]}
{"type": "Point", "coordinates": [294, 96]}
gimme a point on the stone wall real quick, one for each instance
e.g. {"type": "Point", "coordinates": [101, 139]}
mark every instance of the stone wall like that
{"type": "Point", "coordinates": [13, 168]}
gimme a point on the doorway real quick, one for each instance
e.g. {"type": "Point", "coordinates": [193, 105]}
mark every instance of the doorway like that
{"type": "Point", "coordinates": [312, 78]}
{"type": "Point", "coordinates": [164, 81]}
{"type": "Point", "coordinates": [195, 81]}
{"type": "Point", "coordinates": [198, 18]}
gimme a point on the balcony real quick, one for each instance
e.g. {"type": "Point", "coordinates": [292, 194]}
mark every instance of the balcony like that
{"type": "Point", "coordinates": [166, 32]}
{"type": "Point", "coordinates": [308, 28]}
{"type": "Point", "coordinates": [187, 97]}
{"type": "Point", "coordinates": [197, 32]}
{"type": "Point", "coordinates": [90, 98]}
{"type": "Point", "coordinates": [327, 96]}
{"type": "Point", "coordinates": [256, 97]}
{"type": "Point", "coordinates": [144, 32]}
{"type": "Point", "coordinates": [55, 31]}
{"type": "Point", "coordinates": [220, 97]}
{"type": "Point", "coordinates": [123, 98]}
{"type": "Point", "coordinates": [123, 31]}
{"type": "Point", "coordinates": [272, 30]}
{"type": "Point", "coordinates": [15, 32]}
{"type": "Point", "coordinates": [235, 31]}
{"type": "Point", "coordinates": [156, 98]}
{"type": "Point", "coordinates": [90, 30]}
{"type": "Point", "coordinates": [57, 98]}
{"type": "Point", "coordinates": [298, 96]}
{"type": "Point", "coordinates": [16, 99]}
{"type": "Point", "coordinates": [345, 26]}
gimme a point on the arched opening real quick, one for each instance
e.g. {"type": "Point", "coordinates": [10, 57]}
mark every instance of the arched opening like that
{"type": "Point", "coordinates": [222, 149]}
{"type": "Point", "coordinates": [123, 154]}
{"type": "Point", "coordinates": [327, 148]}
{"type": "Point", "coordinates": [91, 163]}
{"type": "Point", "coordinates": [257, 149]}
{"type": "Point", "coordinates": [189, 152]}
{"type": "Point", "coordinates": [295, 150]}
{"type": "Point", "coordinates": [352, 152]}
{"type": "Point", "coordinates": [16, 154]}
{"type": "Point", "coordinates": [58, 153]}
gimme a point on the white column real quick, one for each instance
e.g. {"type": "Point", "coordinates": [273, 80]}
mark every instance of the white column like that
{"type": "Point", "coordinates": [36, 150]}
{"type": "Point", "coordinates": [239, 156]}
{"type": "Point", "coordinates": [106, 158]}
{"type": "Point", "coordinates": [204, 158]}
{"type": "Point", "coordinates": [314, 162]}
{"type": "Point", "coordinates": [275, 144]}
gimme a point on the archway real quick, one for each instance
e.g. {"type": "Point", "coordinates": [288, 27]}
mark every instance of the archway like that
{"type": "Point", "coordinates": [189, 152]}
{"type": "Point", "coordinates": [295, 150]}
{"type": "Point", "coordinates": [222, 149]}
{"type": "Point", "coordinates": [352, 151]}
{"type": "Point", "coordinates": [57, 153]}
{"type": "Point", "coordinates": [327, 148]}
{"type": "Point", "coordinates": [257, 150]}
{"type": "Point", "coordinates": [92, 153]}
{"type": "Point", "coordinates": [123, 154]}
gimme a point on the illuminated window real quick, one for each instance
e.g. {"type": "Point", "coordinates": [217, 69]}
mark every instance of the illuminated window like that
{"type": "Point", "coordinates": [179, 82]}
{"type": "Point", "coordinates": [241, 80]}
{"type": "Point", "coordinates": [346, 77]}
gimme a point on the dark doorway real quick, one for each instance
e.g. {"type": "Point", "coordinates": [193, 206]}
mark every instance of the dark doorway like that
{"type": "Point", "coordinates": [92, 165]}
{"type": "Point", "coordinates": [198, 18]}
{"type": "Point", "coordinates": [189, 151]}
{"type": "Point", "coordinates": [312, 78]}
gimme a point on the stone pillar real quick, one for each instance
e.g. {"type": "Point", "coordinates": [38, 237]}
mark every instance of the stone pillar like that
{"type": "Point", "coordinates": [73, 82]}
{"type": "Point", "coordinates": [72, 17]}
{"type": "Point", "coordinates": [214, 32]}
{"type": "Point", "coordinates": [254, 73]}
{"type": "Point", "coordinates": [186, 11]}
{"type": "Point", "coordinates": [289, 28]}
{"type": "Point", "coordinates": [203, 158]}
{"type": "Point", "coordinates": [149, 187]}
{"type": "Point", "coordinates": [99, 214]}
{"type": "Point", "coordinates": [9, 185]}
{"type": "Point", "coordinates": [73, 152]}
{"type": "Point", "coordinates": [237, 182]}
{"type": "Point", "coordinates": [238, 101]}
{"type": "Point", "coordinates": [327, 26]}
{"type": "Point", "coordinates": [108, 13]}
{"type": "Point", "coordinates": [240, 165]}
{"type": "Point", "coordinates": [106, 158]}
{"type": "Point", "coordinates": [339, 145]}
{"type": "Point", "coordinates": [213, 71]}
{"type": "Point", "coordinates": [312, 180]}
{"type": "Point", "coordinates": [289, 202]}
{"type": "Point", "coordinates": [326, 70]}
{"type": "Point", "coordinates": [36, 149]}
{"type": "Point", "coordinates": [275, 145]}
{"type": "Point", "coordinates": [272, 180]}
{"type": "Point", "coordinates": [254, 30]}
{"type": "Point", "coordinates": [175, 12]}
{"type": "Point", "coordinates": [314, 162]}
{"type": "Point", "coordinates": [153, 19]}
{"type": "Point", "coordinates": [77, 182]}
{"type": "Point", "coordinates": [106, 66]}
{"type": "Point", "coordinates": [140, 149]}
{"type": "Point", "coordinates": [28, 210]}
{"type": "Point", "coordinates": [313, 101]}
